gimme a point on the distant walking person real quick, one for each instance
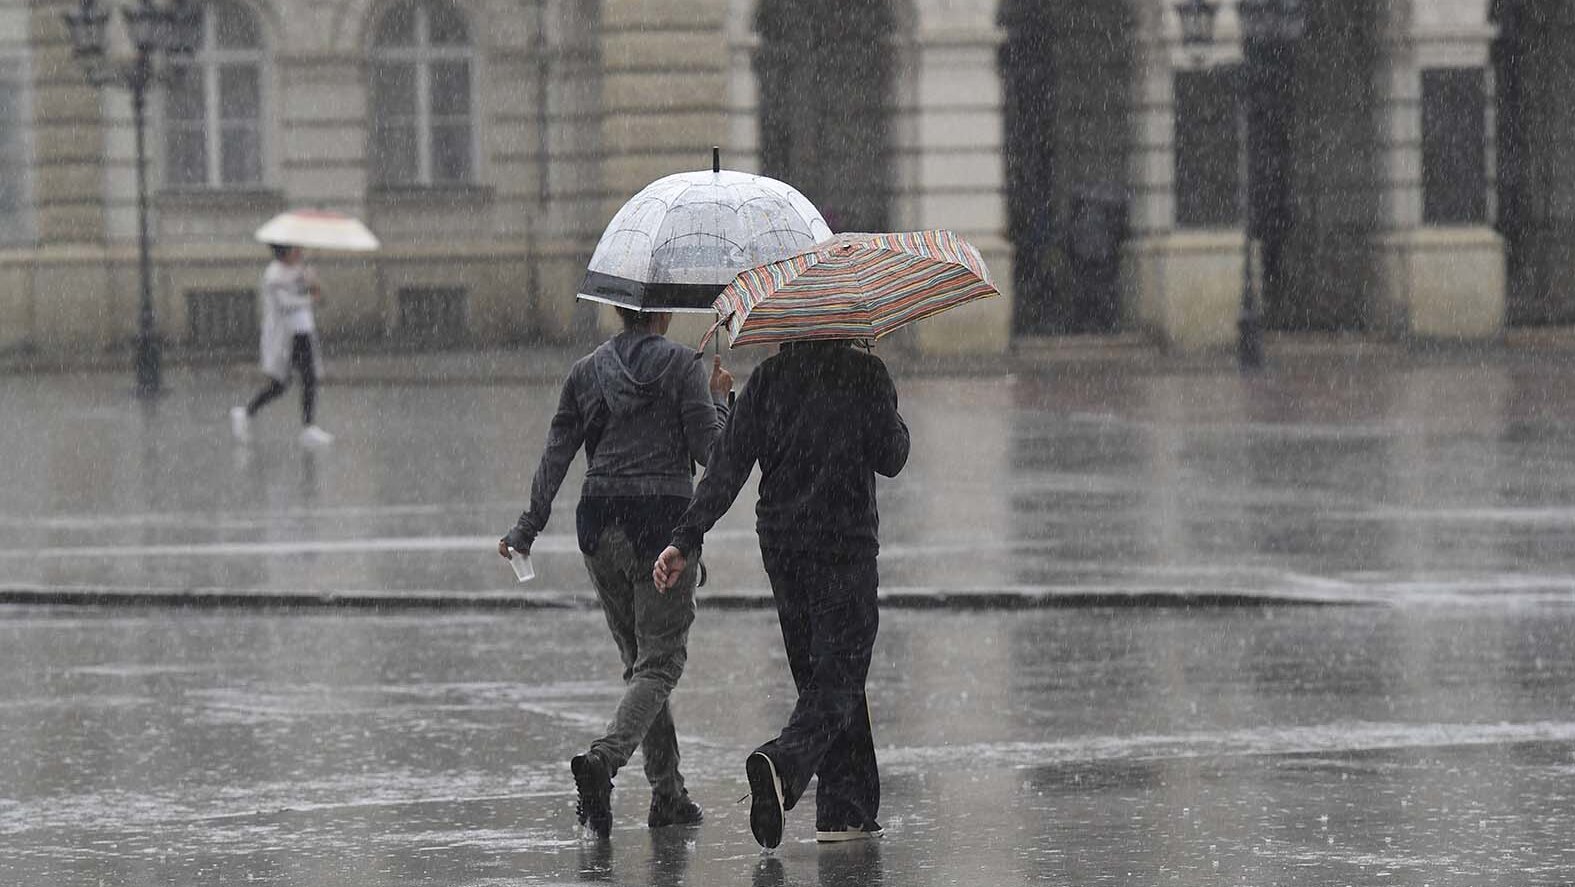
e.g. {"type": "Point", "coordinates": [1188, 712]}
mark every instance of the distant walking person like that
{"type": "Point", "coordinates": [820, 417]}
{"type": "Point", "coordinates": [645, 411]}
{"type": "Point", "coordinates": [289, 341]}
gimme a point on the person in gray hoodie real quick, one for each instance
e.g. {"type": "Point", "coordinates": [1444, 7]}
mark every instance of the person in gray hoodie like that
{"type": "Point", "coordinates": [645, 412]}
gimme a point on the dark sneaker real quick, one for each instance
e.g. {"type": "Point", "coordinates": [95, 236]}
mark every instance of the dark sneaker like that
{"type": "Point", "coordinates": [595, 789]}
{"type": "Point", "coordinates": [824, 835]}
{"type": "Point", "coordinates": [765, 800]}
{"type": "Point", "coordinates": [674, 811]}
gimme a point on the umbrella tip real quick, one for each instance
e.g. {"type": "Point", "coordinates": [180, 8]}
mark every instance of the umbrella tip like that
{"type": "Point", "coordinates": [716, 158]}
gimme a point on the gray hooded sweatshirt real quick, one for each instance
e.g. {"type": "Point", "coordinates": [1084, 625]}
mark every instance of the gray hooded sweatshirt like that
{"type": "Point", "coordinates": [641, 406]}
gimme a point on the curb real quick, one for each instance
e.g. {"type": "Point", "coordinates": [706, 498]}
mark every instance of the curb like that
{"type": "Point", "coordinates": [938, 599]}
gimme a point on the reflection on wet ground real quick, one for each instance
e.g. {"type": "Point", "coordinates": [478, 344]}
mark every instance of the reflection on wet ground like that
{"type": "Point", "coordinates": [1325, 482]}
{"type": "Point", "coordinates": [1425, 741]}
{"type": "Point", "coordinates": [1323, 746]}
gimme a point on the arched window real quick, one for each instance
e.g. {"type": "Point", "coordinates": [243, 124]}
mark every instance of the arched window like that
{"type": "Point", "coordinates": [422, 67]}
{"type": "Point", "coordinates": [213, 107]}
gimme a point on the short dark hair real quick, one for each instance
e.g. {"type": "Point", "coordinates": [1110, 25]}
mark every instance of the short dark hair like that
{"type": "Point", "coordinates": [280, 250]}
{"type": "Point", "coordinates": [632, 318]}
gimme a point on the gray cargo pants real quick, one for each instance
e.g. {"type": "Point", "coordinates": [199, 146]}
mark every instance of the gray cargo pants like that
{"type": "Point", "coordinates": [652, 632]}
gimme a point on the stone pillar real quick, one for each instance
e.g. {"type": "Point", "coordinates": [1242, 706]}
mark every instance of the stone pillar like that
{"type": "Point", "coordinates": [1435, 282]}
{"type": "Point", "coordinates": [17, 231]}
{"type": "Point", "coordinates": [664, 102]}
{"type": "Point", "coordinates": [570, 220]}
{"type": "Point", "coordinates": [70, 301]}
{"type": "Point", "coordinates": [949, 170]}
{"type": "Point", "coordinates": [1186, 284]}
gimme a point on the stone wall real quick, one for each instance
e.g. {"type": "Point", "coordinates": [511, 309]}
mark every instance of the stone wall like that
{"type": "Point", "coordinates": [579, 104]}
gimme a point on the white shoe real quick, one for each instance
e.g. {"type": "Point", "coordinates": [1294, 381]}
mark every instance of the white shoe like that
{"type": "Point", "coordinates": [313, 436]}
{"type": "Point", "coordinates": [240, 424]}
{"type": "Point", "coordinates": [863, 832]}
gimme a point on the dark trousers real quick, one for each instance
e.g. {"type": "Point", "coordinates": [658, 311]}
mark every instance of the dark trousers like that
{"type": "Point", "coordinates": [301, 361]}
{"type": "Point", "coordinates": [829, 615]}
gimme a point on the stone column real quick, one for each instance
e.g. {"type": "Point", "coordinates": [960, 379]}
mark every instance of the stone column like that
{"type": "Point", "coordinates": [17, 235]}
{"type": "Point", "coordinates": [1186, 283]}
{"type": "Point", "coordinates": [947, 134]}
{"type": "Point", "coordinates": [664, 102]}
{"type": "Point", "coordinates": [70, 300]}
{"type": "Point", "coordinates": [570, 219]}
{"type": "Point", "coordinates": [1435, 282]}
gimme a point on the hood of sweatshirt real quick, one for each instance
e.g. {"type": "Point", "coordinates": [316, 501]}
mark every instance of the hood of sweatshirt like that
{"type": "Point", "coordinates": [630, 369]}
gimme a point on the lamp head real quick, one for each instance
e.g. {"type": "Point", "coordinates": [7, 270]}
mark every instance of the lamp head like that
{"type": "Point", "coordinates": [185, 30]}
{"type": "Point", "coordinates": [88, 27]}
{"type": "Point", "coordinates": [1197, 22]}
{"type": "Point", "coordinates": [1272, 21]}
{"type": "Point", "coordinates": [148, 26]}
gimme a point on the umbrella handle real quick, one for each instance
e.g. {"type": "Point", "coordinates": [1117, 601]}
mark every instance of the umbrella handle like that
{"type": "Point", "coordinates": [715, 330]}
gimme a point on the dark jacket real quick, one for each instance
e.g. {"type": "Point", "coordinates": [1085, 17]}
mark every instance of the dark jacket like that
{"type": "Point", "coordinates": [641, 406]}
{"type": "Point", "coordinates": [821, 419]}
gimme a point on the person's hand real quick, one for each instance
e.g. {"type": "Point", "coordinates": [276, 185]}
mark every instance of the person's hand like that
{"type": "Point", "coordinates": [721, 379]}
{"type": "Point", "coordinates": [669, 566]}
{"type": "Point", "coordinates": [515, 539]}
{"type": "Point", "coordinates": [518, 538]}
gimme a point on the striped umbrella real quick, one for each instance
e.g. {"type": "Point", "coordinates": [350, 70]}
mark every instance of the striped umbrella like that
{"type": "Point", "coordinates": [853, 286]}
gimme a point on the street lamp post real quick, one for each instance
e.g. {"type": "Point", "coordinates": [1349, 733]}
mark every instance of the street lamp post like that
{"type": "Point", "coordinates": [1270, 30]}
{"type": "Point", "coordinates": [172, 32]}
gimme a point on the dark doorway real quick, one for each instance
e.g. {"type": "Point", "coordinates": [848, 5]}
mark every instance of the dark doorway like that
{"type": "Point", "coordinates": [1067, 73]}
{"type": "Point", "coordinates": [1320, 269]}
{"type": "Point", "coordinates": [824, 68]}
{"type": "Point", "coordinates": [1534, 62]}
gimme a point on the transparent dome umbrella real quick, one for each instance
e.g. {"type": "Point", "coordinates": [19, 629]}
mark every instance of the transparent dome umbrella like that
{"type": "Point", "coordinates": [675, 245]}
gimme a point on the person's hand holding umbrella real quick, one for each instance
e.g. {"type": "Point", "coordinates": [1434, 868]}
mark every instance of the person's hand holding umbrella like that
{"type": "Point", "coordinates": [721, 379]}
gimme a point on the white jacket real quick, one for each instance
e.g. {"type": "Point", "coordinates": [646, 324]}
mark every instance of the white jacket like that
{"type": "Point", "coordinates": [284, 292]}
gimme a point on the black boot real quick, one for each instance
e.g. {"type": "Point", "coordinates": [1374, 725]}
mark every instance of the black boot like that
{"type": "Point", "coordinates": [674, 811]}
{"type": "Point", "coordinates": [595, 789]}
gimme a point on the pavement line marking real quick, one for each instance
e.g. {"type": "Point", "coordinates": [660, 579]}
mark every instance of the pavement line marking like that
{"type": "Point", "coordinates": [557, 543]}
{"type": "Point", "coordinates": [1336, 737]}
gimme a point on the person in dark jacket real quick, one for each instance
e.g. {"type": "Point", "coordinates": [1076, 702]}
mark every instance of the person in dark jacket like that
{"type": "Point", "coordinates": [645, 412]}
{"type": "Point", "coordinates": [820, 417]}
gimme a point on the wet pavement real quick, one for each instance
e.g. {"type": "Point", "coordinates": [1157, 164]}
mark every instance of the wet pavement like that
{"type": "Point", "coordinates": [1321, 481]}
{"type": "Point", "coordinates": [1413, 728]}
{"type": "Point", "coordinates": [1308, 746]}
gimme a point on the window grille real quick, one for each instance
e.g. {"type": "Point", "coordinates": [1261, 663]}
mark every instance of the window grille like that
{"type": "Point", "coordinates": [432, 315]}
{"type": "Point", "coordinates": [221, 318]}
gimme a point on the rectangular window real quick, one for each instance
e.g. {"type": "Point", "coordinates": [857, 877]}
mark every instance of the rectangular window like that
{"type": "Point", "coordinates": [1208, 149]}
{"type": "Point", "coordinates": [240, 109]}
{"type": "Point", "coordinates": [1454, 146]}
{"type": "Point", "coordinates": [16, 217]}
{"type": "Point", "coordinates": [222, 318]}
{"type": "Point", "coordinates": [432, 315]}
{"type": "Point", "coordinates": [450, 90]}
{"type": "Point", "coordinates": [185, 142]}
{"type": "Point", "coordinates": [396, 125]}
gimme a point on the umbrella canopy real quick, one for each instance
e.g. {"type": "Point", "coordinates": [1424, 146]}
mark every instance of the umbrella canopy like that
{"type": "Point", "coordinates": [683, 238]}
{"type": "Point", "coordinates": [318, 229]}
{"type": "Point", "coordinates": [854, 286]}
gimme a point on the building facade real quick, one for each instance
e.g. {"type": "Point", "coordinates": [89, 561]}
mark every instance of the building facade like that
{"type": "Point", "coordinates": [1094, 159]}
